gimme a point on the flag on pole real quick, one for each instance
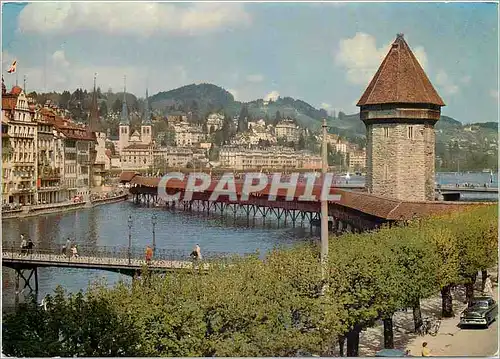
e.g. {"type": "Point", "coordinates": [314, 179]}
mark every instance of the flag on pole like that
{"type": "Point", "coordinates": [12, 68]}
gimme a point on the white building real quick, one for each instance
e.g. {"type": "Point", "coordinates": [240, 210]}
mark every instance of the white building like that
{"type": "Point", "coordinates": [287, 130]}
{"type": "Point", "coordinates": [214, 122]}
{"type": "Point", "coordinates": [270, 158]}
{"type": "Point", "coordinates": [187, 135]}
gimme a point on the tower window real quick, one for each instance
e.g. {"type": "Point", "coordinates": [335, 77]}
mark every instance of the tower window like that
{"type": "Point", "coordinates": [410, 132]}
{"type": "Point", "coordinates": [386, 131]}
{"type": "Point", "coordinates": [386, 172]}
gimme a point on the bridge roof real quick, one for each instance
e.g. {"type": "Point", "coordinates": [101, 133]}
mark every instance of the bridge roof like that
{"type": "Point", "coordinates": [127, 176]}
{"type": "Point", "coordinates": [386, 208]}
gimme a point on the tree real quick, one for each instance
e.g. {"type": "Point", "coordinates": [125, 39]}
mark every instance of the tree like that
{"type": "Point", "coordinates": [117, 106]}
{"type": "Point", "coordinates": [302, 142]}
{"type": "Point", "coordinates": [103, 109]}
{"type": "Point", "coordinates": [243, 119]}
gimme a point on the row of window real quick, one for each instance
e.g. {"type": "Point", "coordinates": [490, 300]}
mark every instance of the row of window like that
{"type": "Point", "coordinates": [409, 132]}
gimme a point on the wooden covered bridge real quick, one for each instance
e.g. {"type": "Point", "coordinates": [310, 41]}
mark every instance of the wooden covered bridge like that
{"type": "Point", "coordinates": [355, 211]}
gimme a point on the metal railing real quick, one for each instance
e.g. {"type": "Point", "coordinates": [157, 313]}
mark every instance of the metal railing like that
{"type": "Point", "coordinates": [111, 256]}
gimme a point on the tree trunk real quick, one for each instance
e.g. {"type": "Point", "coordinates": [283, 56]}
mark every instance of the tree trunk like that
{"type": "Point", "coordinates": [469, 289]}
{"type": "Point", "coordinates": [341, 345]}
{"type": "Point", "coordinates": [447, 302]}
{"type": "Point", "coordinates": [417, 314]}
{"type": "Point", "coordinates": [484, 273]}
{"type": "Point", "coordinates": [353, 342]}
{"type": "Point", "coordinates": [388, 333]}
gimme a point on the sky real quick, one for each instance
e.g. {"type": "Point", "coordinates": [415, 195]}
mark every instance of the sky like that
{"type": "Point", "coordinates": [322, 53]}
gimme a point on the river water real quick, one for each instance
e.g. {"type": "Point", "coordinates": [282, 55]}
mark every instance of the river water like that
{"type": "Point", "coordinates": [107, 226]}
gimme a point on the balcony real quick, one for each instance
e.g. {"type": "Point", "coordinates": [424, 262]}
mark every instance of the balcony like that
{"type": "Point", "coordinates": [23, 164]}
{"type": "Point", "coordinates": [22, 135]}
{"type": "Point", "coordinates": [48, 173]}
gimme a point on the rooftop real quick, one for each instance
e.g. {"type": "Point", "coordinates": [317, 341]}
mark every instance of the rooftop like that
{"type": "Point", "coordinates": [400, 79]}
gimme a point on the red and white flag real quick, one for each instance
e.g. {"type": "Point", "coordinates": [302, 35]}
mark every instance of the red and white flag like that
{"type": "Point", "coordinates": [12, 68]}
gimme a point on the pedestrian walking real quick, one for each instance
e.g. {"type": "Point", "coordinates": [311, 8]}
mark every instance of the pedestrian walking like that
{"type": "Point", "coordinates": [30, 246]}
{"type": "Point", "coordinates": [426, 352]}
{"type": "Point", "coordinates": [68, 247]}
{"type": "Point", "coordinates": [149, 254]}
{"type": "Point", "coordinates": [23, 244]}
{"type": "Point", "coordinates": [196, 253]}
{"type": "Point", "coordinates": [74, 251]}
{"type": "Point", "coordinates": [488, 287]}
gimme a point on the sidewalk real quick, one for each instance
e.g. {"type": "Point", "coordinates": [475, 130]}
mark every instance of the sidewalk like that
{"type": "Point", "coordinates": [450, 340]}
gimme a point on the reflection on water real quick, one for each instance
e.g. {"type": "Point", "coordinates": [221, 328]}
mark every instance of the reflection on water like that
{"type": "Point", "coordinates": [107, 226]}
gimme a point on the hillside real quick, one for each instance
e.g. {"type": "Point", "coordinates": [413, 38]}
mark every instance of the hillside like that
{"type": "Point", "coordinates": [202, 97]}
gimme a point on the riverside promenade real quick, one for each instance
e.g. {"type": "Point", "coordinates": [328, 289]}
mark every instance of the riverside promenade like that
{"type": "Point", "coordinates": [42, 209]}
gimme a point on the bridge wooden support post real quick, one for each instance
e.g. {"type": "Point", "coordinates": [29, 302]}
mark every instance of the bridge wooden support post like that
{"type": "Point", "coordinates": [16, 289]}
{"type": "Point", "coordinates": [340, 226]}
{"type": "Point", "coordinates": [19, 275]}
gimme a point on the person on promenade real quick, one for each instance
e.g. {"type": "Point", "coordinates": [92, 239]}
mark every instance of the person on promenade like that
{"type": "Point", "coordinates": [149, 254]}
{"type": "Point", "coordinates": [426, 352]}
{"type": "Point", "coordinates": [23, 244]}
{"type": "Point", "coordinates": [74, 251]}
{"type": "Point", "coordinates": [30, 246]}
{"type": "Point", "coordinates": [488, 287]}
{"type": "Point", "coordinates": [196, 253]}
{"type": "Point", "coordinates": [68, 247]}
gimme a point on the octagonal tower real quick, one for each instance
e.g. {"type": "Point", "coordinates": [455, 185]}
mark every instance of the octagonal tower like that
{"type": "Point", "coordinates": [400, 108]}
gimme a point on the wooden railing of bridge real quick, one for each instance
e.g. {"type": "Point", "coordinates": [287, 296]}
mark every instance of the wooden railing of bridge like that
{"type": "Point", "coordinates": [117, 259]}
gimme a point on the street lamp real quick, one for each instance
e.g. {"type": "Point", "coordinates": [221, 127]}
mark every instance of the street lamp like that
{"type": "Point", "coordinates": [153, 221]}
{"type": "Point", "coordinates": [129, 238]}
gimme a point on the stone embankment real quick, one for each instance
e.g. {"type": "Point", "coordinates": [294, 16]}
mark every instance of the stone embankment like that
{"type": "Point", "coordinates": [35, 210]}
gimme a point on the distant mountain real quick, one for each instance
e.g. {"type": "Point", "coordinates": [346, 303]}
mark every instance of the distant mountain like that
{"type": "Point", "coordinates": [202, 97]}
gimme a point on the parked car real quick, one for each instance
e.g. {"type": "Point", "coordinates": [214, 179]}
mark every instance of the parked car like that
{"type": "Point", "coordinates": [481, 312]}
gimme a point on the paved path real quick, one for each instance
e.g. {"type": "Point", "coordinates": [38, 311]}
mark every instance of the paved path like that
{"type": "Point", "coordinates": [450, 340]}
{"type": "Point", "coordinates": [453, 341]}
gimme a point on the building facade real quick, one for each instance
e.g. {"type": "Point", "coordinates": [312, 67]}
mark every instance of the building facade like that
{"type": "Point", "coordinates": [239, 158]}
{"type": "Point", "coordinates": [45, 157]}
{"type": "Point", "coordinates": [287, 130]}
{"type": "Point", "coordinates": [20, 166]}
{"type": "Point", "coordinates": [400, 108]}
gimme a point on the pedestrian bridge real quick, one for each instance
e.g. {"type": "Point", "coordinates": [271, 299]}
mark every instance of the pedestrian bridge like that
{"type": "Point", "coordinates": [116, 259]}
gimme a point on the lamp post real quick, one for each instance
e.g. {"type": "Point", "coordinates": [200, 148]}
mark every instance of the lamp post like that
{"type": "Point", "coordinates": [153, 221]}
{"type": "Point", "coordinates": [324, 207]}
{"type": "Point", "coordinates": [129, 238]}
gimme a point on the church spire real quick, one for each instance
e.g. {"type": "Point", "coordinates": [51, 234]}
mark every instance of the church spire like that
{"type": "Point", "coordinates": [94, 111]}
{"type": "Point", "coordinates": [147, 113]}
{"type": "Point", "coordinates": [124, 117]}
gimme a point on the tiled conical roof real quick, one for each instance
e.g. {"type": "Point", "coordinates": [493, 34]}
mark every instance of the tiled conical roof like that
{"type": "Point", "coordinates": [400, 79]}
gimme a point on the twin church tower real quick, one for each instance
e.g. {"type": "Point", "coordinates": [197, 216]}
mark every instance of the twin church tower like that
{"type": "Point", "coordinates": [399, 109]}
{"type": "Point", "coordinates": [125, 138]}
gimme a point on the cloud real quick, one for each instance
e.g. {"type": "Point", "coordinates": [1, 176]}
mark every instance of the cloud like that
{"type": "Point", "coordinates": [361, 57]}
{"type": "Point", "coordinates": [444, 82]}
{"type": "Point", "coordinates": [131, 18]}
{"type": "Point", "coordinates": [494, 94]}
{"type": "Point", "coordinates": [273, 95]}
{"type": "Point", "coordinates": [234, 93]}
{"type": "Point", "coordinates": [59, 59]}
{"type": "Point", "coordinates": [465, 79]}
{"type": "Point", "coordinates": [255, 78]}
{"type": "Point", "coordinates": [61, 74]}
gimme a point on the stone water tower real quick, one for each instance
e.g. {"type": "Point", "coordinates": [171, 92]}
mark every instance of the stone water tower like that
{"type": "Point", "coordinates": [400, 108]}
